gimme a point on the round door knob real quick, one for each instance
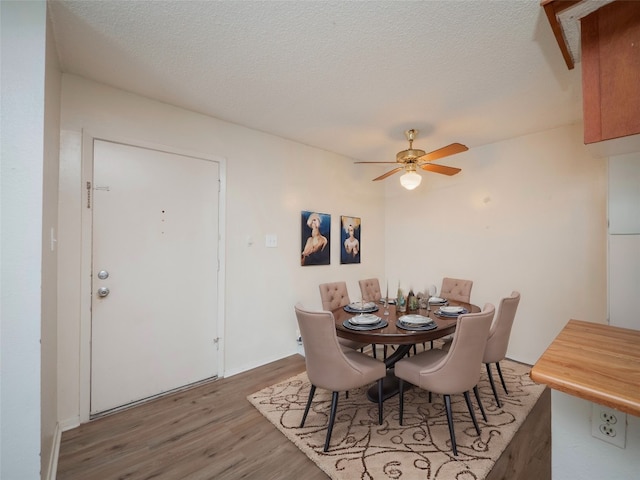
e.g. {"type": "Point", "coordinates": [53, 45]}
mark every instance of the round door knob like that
{"type": "Point", "coordinates": [103, 291]}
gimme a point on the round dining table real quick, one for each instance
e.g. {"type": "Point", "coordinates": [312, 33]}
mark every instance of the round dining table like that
{"type": "Point", "coordinates": [402, 339]}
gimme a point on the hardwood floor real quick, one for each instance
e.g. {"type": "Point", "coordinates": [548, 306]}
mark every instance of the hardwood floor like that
{"type": "Point", "coordinates": [212, 432]}
{"type": "Point", "coordinates": [209, 431]}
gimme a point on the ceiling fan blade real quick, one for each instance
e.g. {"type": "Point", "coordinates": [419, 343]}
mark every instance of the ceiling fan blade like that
{"type": "Point", "coordinates": [388, 174]}
{"type": "Point", "coordinates": [443, 152]}
{"type": "Point", "coordinates": [432, 167]}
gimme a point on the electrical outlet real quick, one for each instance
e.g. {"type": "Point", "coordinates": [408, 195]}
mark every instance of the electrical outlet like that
{"type": "Point", "coordinates": [609, 425]}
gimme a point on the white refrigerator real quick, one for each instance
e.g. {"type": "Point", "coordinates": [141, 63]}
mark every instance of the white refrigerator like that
{"type": "Point", "coordinates": [624, 241]}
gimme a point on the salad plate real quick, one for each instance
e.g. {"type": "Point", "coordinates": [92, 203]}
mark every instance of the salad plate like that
{"type": "Point", "coordinates": [437, 300]}
{"type": "Point", "coordinates": [362, 306]}
{"type": "Point", "coordinates": [452, 310]}
{"type": "Point", "coordinates": [364, 319]}
{"type": "Point", "coordinates": [414, 319]}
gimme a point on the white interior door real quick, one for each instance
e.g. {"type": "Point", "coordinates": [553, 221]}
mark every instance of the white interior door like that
{"type": "Point", "coordinates": [155, 234]}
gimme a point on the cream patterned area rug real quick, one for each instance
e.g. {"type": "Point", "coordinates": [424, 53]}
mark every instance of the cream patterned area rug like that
{"type": "Point", "coordinates": [421, 448]}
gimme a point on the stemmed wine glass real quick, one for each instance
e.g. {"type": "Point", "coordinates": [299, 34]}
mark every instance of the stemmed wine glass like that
{"type": "Point", "coordinates": [431, 293]}
{"type": "Point", "coordinates": [386, 301]}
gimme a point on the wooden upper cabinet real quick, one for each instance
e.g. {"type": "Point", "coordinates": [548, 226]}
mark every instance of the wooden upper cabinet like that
{"type": "Point", "coordinates": [611, 71]}
{"type": "Point", "coordinates": [610, 57]}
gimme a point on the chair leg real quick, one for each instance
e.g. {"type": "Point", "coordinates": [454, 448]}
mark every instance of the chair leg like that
{"type": "Point", "coordinates": [312, 392]}
{"type": "Point", "coordinates": [504, 385]}
{"type": "Point", "coordinates": [384, 352]}
{"type": "Point", "coordinates": [415, 350]}
{"type": "Point", "coordinates": [467, 399]}
{"type": "Point", "coordinates": [380, 401]}
{"type": "Point", "coordinates": [332, 419]}
{"type": "Point", "coordinates": [447, 404]}
{"type": "Point", "coordinates": [373, 349]}
{"type": "Point", "coordinates": [493, 385]}
{"type": "Point", "coordinates": [401, 392]}
{"type": "Point", "coordinates": [429, 396]}
{"type": "Point", "coordinates": [475, 391]}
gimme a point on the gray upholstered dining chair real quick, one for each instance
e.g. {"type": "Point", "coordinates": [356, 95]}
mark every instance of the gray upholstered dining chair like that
{"type": "Point", "coordinates": [335, 295]}
{"type": "Point", "coordinates": [452, 371]}
{"type": "Point", "coordinates": [498, 340]}
{"type": "Point", "coordinates": [456, 289]}
{"type": "Point", "coordinates": [370, 290]}
{"type": "Point", "coordinates": [331, 367]}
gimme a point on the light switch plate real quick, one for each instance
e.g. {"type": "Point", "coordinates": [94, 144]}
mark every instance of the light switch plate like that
{"type": "Point", "coordinates": [271, 240]}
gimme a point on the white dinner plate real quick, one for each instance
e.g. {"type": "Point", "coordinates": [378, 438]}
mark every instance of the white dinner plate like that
{"type": "Point", "coordinates": [364, 319]}
{"type": "Point", "coordinates": [362, 306]}
{"type": "Point", "coordinates": [415, 319]}
{"type": "Point", "coordinates": [451, 310]}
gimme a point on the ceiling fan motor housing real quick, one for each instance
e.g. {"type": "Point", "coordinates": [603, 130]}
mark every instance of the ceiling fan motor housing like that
{"type": "Point", "coordinates": [409, 155]}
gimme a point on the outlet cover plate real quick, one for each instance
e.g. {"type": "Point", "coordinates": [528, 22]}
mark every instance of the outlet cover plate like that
{"type": "Point", "coordinates": [609, 425]}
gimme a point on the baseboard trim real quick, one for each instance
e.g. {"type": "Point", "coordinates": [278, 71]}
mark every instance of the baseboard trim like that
{"type": "Point", "coordinates": [69, 423]}
{"type": "Point", "coordinates": [55, 452]}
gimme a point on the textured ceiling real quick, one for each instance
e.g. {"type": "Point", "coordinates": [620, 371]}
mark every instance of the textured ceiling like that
{"type": "Point", "coordinates": [348, 77]}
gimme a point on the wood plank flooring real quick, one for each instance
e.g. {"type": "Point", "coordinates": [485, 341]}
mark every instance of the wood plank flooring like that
{"type": "Point", "coordinates": [212, 432]}
{"type": "Point", "coordinates": [208, 432]}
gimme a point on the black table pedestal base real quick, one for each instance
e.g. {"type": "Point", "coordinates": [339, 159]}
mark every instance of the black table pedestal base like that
{"type": "Point", "coordinates": [390, 383]}
{"type": "Point", "coordinates": [390, 387]}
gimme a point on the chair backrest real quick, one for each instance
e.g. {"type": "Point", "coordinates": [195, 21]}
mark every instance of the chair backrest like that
{"type": "Point", "coordinates": [456, 289]}
{"type": "Point", "coordinates": [334, 295]}
{"type": "Point", "coordinates": [500, 332]}
{"type": "Point", "coordinates": [370, 290]}
{"type": "Point", "coordinates": [327, 365]}
{"type": "Point", "coordinates": [459, 371]}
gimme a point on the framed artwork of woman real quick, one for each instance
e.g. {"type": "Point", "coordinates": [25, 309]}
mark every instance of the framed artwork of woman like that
{"type": "Point", "coordinates": [350, 245]}
{"type": "Point", "coordinates": [316, 238]}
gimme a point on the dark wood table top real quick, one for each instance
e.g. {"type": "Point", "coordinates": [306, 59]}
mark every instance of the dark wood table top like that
{"type": "Point", "coordinates": [391, 334]}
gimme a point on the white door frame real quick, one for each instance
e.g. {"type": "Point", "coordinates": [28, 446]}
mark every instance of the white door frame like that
{"type": "Point", "coordinates": [86, 254]}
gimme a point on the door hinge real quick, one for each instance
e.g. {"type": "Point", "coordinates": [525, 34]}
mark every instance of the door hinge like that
{"type": "Point", "coordinates": [88, 194]}
{"type": "Point", "coordinates": [216, 342]}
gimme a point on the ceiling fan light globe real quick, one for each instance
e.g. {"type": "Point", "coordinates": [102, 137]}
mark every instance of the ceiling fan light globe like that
{"type": "Point", "coordinates": [410, 180]}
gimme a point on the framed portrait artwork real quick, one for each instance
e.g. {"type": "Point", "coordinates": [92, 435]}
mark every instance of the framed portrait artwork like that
{"type": "Point", "coordinates": [315, 238]}
{"type": "Point", "coordinates": [350, 245]}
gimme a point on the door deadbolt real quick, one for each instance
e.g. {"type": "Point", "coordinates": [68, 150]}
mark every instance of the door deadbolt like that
{"type": "Point", "coordinates": [103, 274]}
{"type": "Point", "coordinates": [103, 291]}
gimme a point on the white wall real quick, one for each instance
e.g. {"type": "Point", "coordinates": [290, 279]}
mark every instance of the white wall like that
{"type": "Point", "coordinates": [49, 337]}
{"type": "Point", "coordinates": [576, 455]}
{"type": "Point", "coordinates": [269, 181]}
{"type": "Point", "coordinates": [22, 144]}
{"type": "Point", "coordinates": [526, 214]}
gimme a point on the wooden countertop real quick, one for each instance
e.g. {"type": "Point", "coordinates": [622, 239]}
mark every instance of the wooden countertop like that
{"type": "Point", "coordinates": [597, 362]}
